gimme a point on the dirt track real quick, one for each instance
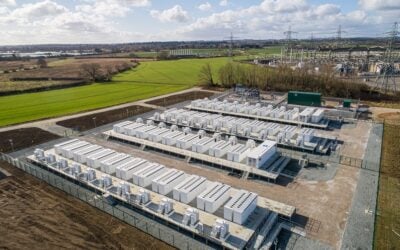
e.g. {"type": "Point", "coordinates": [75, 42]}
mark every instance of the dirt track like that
{"type": "Point", "coordinates": [37, 216]}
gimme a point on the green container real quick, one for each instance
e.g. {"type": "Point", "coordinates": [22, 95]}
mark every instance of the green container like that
{"type": "Point", "coordinates": [304, 98]}
{"type": "Point", "coordinates": [346, 103]}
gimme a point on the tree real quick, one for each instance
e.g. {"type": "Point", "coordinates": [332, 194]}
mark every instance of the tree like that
{"type": "Point", "coordinates": [226, 75]}
{"type": "Point", "coordinates": [206, 76]}
{"type": "Point", "coordinates": [41, 62]}
{"type": "Point", "coordinates": [163, 55]}
{"type": "Point", "coordinates": [91, 71]}
{"type": "Point", "coordinates": [109, 72]}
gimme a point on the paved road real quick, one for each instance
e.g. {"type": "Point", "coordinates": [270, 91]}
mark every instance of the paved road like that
{"type": "Point", "coordinates": [51, 126]}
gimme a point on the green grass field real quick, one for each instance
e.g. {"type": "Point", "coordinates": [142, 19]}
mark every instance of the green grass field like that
{"type": "Point", "coordinates": [148, 80]}
{"type": "Point", "coordinates": [387, 225]}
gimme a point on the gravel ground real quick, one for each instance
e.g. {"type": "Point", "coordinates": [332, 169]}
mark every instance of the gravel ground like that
{"type": "Point", "coordinates": [316, 173]}
{"type": "Point", "coordinates": [359, 230]}
{"type": "Point", "coordinates": [289, 241]}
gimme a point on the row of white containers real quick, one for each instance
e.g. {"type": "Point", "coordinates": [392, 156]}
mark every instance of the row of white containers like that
{"type": "Point", "coordinates": [237, 126]}
{"type": "Point", "coordinates": [210, 196]}
{"type": "Point", "coordinates": [258, 110]}
{"type": "Point", "coordinates": [194, 142]}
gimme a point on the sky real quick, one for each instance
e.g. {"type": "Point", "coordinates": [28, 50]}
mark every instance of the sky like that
{"type": "Point", "coordinates": [122, 21]}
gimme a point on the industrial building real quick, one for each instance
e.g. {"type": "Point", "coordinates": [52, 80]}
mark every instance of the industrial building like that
{"type": "Point", "coordinates": [261, 154]}
{"type": "Point", "coordinates": [240, 206]}
{"type": "Point", "coordinates": [304, 98]}
{"type": "Point", "coordinates": [214, 150]}
{"type": "Point", "coordinates": [213, 197]}
{"type": "Point", "coordinates": [167, 181]}
{"type": "Point", "coordinates": [189, 189]}
{"type": "Point", "coordinates": [280, 114]}
{"type": "Point", "coordinates": [245, 128]}
{"type": "Point", "coordinates": [149, 185]}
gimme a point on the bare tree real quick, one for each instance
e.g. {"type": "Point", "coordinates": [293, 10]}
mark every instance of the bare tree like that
{"type": "Point", "coordinates": [206, 76]}
{"type": "Point", "coordinates": [91, 71]}
{"type": "Point", "coordinates": [109, 71]}
{"type": "Point", "coordinates": [41, 62]}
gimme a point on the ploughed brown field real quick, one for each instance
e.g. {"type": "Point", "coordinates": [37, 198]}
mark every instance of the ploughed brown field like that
{"type": "Point", "coordinates": [35, 215]}
{"type": "Point", "coordinates": [174, 99]}
{"type": "Point", "coordinates": [87, 122]}
{"type": "Point", "coordinates": [24, 138]}
{"type": "Point", "coordinates": [60, 72]}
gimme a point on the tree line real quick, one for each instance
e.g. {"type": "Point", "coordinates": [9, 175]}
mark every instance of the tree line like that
{"type": "Point", "coordinates": [282, 78]}
{"type": "Point", "coordinates": [94, 72]}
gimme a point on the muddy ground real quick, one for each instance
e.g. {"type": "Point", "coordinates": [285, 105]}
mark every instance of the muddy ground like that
{"type": "Point", "coordinates": [24, 138]}
{"type": "Point", "coordinates": [174, 99]}
{"type": "Point", "coordinates": [87, 122]}
{"type": "Point", "coordinates": [35, 215]}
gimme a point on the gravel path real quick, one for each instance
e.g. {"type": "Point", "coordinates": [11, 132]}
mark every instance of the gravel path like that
{"type": "Point", "coordinates": [359, 232]}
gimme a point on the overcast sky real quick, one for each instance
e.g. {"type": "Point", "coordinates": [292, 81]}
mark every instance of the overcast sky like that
{"type": "Point", "coordinates": [118, 21]}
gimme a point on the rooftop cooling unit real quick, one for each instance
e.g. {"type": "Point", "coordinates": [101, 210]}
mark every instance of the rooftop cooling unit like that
{"type": "Point", "coordinates": [143, 197]}
{"type": "Point", "coordinates": [220, 229]}
{"type": "Point", "coordinates": [76, 169]}
{"type": "Point", "coordinates": [187, 130]}
{"type": "Point", "coordinates": [50, 158]}
{"type": "Point", "coordinates": [39, 154]}
{"type": "Point", "coordinates": [232, 140]}
{"type": "Point", "coordinates": [123, 189]}
{"type": "Point", "coordinates": [250, 143]}
{"type": "Point", "coordinates": [201, 133]}
{"type": "Point", "coordinates": [62, 164]}
{"type": "Point", "coordinates": [105, 181]}
{"type": "Point", "coordinates": [191, 217]}
{"type": "Point", "coordinates": [91, 174]}
{"type": "Point", "coordinates": [161, 125]}
{"type": "Point", "coordinates": [165, 207]}
{"type": "Point", "coordinates": [216, 136]}
{"type": "Point", "coordinates": [174, 128]}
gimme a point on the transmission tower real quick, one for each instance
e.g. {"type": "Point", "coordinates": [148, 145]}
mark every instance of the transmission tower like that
{"type": "Point", "coordinates": [386, 76]}
{"type": "Point", "coordinates": [231, 38]}
{"type": "Point", "coordinates": [339, 33]}
{"type": "Point", "coordinates": [289, 47]}
{"type": "Point", "coordinates": [288, 35]}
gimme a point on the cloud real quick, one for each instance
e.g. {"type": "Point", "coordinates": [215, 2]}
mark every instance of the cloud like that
{"type": "Point", "coordinates": [223, 3]}
{"type": "Point", "coordinates": [205, 6]}
{"type": "Point", "coordinates": [7, 3]}
{"type": "Point", "coordinates": [38, 10]}
{"type": "Point", "coordinates": [327, 9]}
{"type": "Point", "coordinates": [379, 5]}
{"type": "Point", "coordinates": [176, 13]}
{"type": "Point", "coordinates": [271, 17]}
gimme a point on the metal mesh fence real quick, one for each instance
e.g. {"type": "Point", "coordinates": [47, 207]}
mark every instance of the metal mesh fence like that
{"type": "Point", "coordinates": [147, 225]}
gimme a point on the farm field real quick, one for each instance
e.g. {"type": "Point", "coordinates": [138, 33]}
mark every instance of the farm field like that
{"type": "Point", "coordinates": [150, 79]}
{"type": "Point", "coordinates": [38, 216]}
{"type": "Point", "coordinates": [59, 73]}
{"type": "Point", "coordinates": [184, 71]}
{"type": "Point", "coordinates": [387, 225]}
{"type": "Point", "coordinates": [27, 107]}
